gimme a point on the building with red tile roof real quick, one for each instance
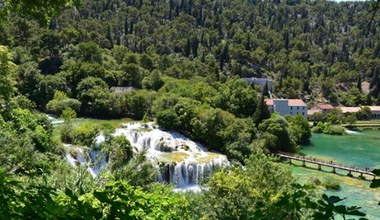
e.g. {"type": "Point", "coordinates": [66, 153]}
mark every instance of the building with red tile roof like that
{"type": "Point", "coordinates": [311, 112]}
{"type": "Point", "coordinates": [324, 108]}
{"type": "Point", "coordinates": [375, 110]}
{"type": "Point", "coordinates": [296, 102]}
{"type": "Point", "coordinates": [287, 106]}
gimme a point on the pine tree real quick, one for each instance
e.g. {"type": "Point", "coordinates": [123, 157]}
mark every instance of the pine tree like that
{"type": "Point", "coordinates": [187, 47]}
{"type": "Point", "coordinates": [194, 46]}
{"type": "Point", "coordinates": [126, 27]}
{"type": "Point", "coordinates": [306, 86]}
{"type": "Point", "coordinates": [109, 36]}
{"type": "Point", "coordinates": [359, 83]}
{"type": "Point", "coordinates": [248, 43]}
{"type": "Point", "coordinates": [378, 100]}
{"type": "Point", "coordinates": [224, 56]}
{"type": "Point", "coordinates": [266, 90]}
{"type": "Point", "coordinates": [369, 99]}
{"type": "Point", "coordinates": [262, 111]}
{"type": "Point", "coordinates": [375, 83]}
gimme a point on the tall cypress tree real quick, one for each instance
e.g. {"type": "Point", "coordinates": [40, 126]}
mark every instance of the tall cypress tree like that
{"type": "Point", "coordinates": [224, 56]}
{"type": "Point", "coordinates": [266, 90]}
{"type": "Point", "coordinates": [109, 36]}
{"type": "Point", "coordinates": [262, 111]}
{"type": "Point", "coordinates": [187, 49]}
{"type": "Point", "coordinates": [194, 45]}
{"type": "Point", "coordinates": [378, 100]}
{"type": "Point", "coordinates": [359, 83]}
{"type": "Point", "coordinates": [369, 99]}
{"type": "Point", "coordinates": [248, 42]}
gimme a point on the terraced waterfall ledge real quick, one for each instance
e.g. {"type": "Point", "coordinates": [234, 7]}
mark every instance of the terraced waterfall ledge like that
{"type": "Point", "coordinates": [180, 161]}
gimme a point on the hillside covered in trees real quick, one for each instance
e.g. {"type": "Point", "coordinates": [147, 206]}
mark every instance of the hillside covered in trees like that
{"type": "Point", "coordinates": [310, 48]}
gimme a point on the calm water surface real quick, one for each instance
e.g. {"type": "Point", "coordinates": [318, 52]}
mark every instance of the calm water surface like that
{"type": "Point", "coordinates": [360, 149]}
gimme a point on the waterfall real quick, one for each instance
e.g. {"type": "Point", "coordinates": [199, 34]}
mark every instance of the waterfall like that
{"type": "Point", "coordinates": [180, 161]}
{"type": "Point", "coordinates": [54, 120]}
{"type": "Point", "coordinates": [93, 160]}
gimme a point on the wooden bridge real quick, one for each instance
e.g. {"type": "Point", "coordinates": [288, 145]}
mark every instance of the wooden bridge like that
{"type": "Point", "coordinates": [331, 164]}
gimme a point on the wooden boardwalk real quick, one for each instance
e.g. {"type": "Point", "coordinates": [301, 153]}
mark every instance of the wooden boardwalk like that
{"type": "Point", "coordinates": [332, 164]}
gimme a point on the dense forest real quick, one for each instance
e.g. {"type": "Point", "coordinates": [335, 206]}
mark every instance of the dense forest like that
{"type": "Point", "coordinates": [178, 63]}
{"type": "Point", "coordinates": [312, 49]}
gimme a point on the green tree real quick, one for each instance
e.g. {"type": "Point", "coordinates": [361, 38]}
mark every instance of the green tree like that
{"type": "Point", "coordinates": [240, 193]}
{"type": "Point", "coordinates": [299, 128]}
{"type": "Point", "coordinates": [153, 80]}
{"type": "Point", "coordinates": [335, 116]}
{"type": "Point", "coordinates": [85, 134]}
{"type": "Point", "coordinates": [364, 113]}
{"type": "Point", "coordinates": [118, 151]}
{"type": "Point", "coordinates": [238, 98]}
{"type": "Point", "coordinates": [68, 115]}
{"type": "Point", "coordinates": [46, 86]}
{"type": "Point", "coordinates": [60, 102]}
{"type": "Point", "coordinates": [89, 52]}
{"type": "Point", "coordinates": [139, 103]}
{"type": "Point", "coordinates": [94, 95]}
{"type": "Point", "coordinates": [6, 76]}
{"type": "Point", "coordinates": [39, 10]}
{"type": "Point", "coordinates": [277, 129]}
{"type": "Point", "coordinates": [262, 111]}
{"type": "Point", "coordinates": [351, 119]}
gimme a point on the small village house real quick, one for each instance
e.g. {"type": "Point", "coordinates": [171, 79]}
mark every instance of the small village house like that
{"type": "Point", "coordinates": [375, 111]}
{"type": "Point", "coordinates": [287, 106]}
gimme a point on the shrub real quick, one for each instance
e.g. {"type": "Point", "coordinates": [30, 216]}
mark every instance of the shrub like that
{"type": "Point", "coordinates": [61, 102]}
{"type": "Point", "coordinates": [85, 134]}
{"type": "Point", "coordinates": [334, 130]}
{"type": "Point", "coordinates": [330, 185]}
{"type": "Point", "coordinates": [315, 181]}
{"type": "Point", "coordinates": [318, 128]}
{"type": "Point", "coordinates": [328, 128]}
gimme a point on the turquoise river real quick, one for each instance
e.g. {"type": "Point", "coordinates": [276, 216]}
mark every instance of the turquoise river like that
{"type": "Point", "coordinates": [360, 149]}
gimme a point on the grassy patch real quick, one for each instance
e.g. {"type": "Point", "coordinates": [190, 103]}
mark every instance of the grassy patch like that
{"type": "Point", "coordinates": [207, 158]}
{"type": "Point", "coordinates": [116, 123]}
{"type": "Point", "coordinates": [143, 129]}
{"type": "Point", "coordinates": [173, 157]}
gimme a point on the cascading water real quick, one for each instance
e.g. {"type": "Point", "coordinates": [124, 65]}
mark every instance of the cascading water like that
{"type": "Point", "coordinates": [54, 120]}
{"type": "Point", "coordinates": [94, 161]}
{"type": "Point", "coordinates": [180, 161]}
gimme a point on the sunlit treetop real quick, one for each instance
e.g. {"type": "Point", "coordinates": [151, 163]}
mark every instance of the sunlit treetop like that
{"type": "Point", "coordinates": [41, 10]}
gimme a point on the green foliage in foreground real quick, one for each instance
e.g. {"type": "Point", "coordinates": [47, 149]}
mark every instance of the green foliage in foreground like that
{"type": "Point", "coordinates": [261, 190]}
{"type": "Point", "coordinates": [115, 200]}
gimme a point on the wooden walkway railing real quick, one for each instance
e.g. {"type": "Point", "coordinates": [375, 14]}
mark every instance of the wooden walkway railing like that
{"type": "Point", "coordinates": [332, 164]}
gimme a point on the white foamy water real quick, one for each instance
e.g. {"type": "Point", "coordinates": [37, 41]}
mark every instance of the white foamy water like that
{"type": "Point", "coordinates": [352, 132]}
{"type": "Point", "coordinates": [54, 120]}
{"type": "Point", "coordinates": [180, 161]}
{"type": "Point", "coordinates": [92, 161]}
{"type": "Point", "coordinates": [190, 188]}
